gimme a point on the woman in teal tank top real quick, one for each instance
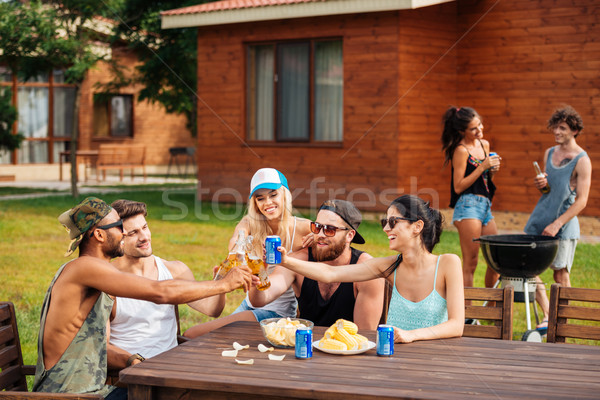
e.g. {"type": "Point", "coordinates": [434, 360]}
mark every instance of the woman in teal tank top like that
{"type": "Point", "coordinates": [428, 294]}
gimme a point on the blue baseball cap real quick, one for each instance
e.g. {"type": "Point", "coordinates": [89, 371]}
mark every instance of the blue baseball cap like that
{"type": "Point", "coordinates": [267, 178]}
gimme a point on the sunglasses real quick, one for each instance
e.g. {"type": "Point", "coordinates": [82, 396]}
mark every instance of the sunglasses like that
{"type": "Point", "coordinates": [328, 230]}
{"type": "Point", "coordinates": [394, 220]}
{"type": "Point", "coordinates": [118, 224]}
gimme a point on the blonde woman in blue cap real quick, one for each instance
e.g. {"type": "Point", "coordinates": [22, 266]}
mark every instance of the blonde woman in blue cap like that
{"type": "Point", "coordinates": [269, 213]}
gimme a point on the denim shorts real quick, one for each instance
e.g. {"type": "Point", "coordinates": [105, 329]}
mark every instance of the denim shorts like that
{"type": "Point", "coordinates": [472, 206]}
{"type": "Point", "coordinates": [259, 313]}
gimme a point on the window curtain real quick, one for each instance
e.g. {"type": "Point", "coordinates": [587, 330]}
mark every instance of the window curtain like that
{"type": "Point", "coordinates": [293, 91]}
{"type": "Point", "coordinates": [120, 118]}
{"type": "Point", "coordinates": [260, 91]}
{"type": "Point", "coordinates": [64, 107]}
{"type": "Point", "coordinates": [329, 84]}
{"type": "Point", "coordinates": [4, 157]}
{"type": "Point", "coordinates": [33, 123]}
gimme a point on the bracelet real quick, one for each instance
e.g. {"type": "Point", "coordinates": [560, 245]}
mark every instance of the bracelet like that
{"type": "Point", "coordinates": [136, 356]}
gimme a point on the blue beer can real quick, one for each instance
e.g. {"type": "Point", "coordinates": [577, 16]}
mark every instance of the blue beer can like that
{"type": "Point", "coordinates": [492, 154]}
{"type": "Point", "coordinates": [304, 343]}
{"type": "Point", "coordinates": [273, 255]}
{"type": "Point", "coordinates": [385, 340]}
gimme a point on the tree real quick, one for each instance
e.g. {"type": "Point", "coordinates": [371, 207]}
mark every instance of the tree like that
{"type": "Point", "coordinates": [168, 70]}
{"type": "Point", "coordinates": [39, 37]}
{"type": "Point", "coordinates": [17, 42]}
{"type": "Point", "coordinates": [8, 116]}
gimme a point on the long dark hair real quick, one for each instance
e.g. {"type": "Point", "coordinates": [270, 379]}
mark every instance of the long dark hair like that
{"type": "Point", "coordinates": [455, 121]}
{"type": "Point", "coordinates": [415, 208]}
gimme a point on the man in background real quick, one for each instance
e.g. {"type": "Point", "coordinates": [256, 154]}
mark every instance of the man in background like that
{"type": "Point", "coordinates": [568, 173]}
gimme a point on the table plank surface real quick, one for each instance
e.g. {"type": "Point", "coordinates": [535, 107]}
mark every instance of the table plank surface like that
{"type": "Point", "coordinates": [458, 368]}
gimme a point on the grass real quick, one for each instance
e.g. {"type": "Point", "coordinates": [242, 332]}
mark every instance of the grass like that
{"type": "Point", "coordinates": [33, 243]}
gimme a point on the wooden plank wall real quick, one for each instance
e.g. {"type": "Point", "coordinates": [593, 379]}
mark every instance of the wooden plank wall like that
{"type": "Point", "coordinates": [513, 61]}
{"type": "Point", "coordinates": [427, 86]}
{"type": "Point", "coordinates": [519, 61]}
{"type": "Point", "coordinates": [359, 170]}
{"type": "Point", "coordinates": [153, 127]}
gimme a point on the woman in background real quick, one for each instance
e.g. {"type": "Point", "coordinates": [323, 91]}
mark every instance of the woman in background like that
{"type": "Point", "coordinates": [472, 188]}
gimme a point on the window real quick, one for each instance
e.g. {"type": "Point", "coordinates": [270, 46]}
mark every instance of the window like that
{"type": "Point", "coordinates": [45, 105]}
{"type": "Point", "coordinates": [113, 116]}
{"type": "Point", "coordinates": [295, 91]}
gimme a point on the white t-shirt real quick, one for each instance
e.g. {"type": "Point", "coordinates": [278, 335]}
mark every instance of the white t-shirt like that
{"type": "Point", "coordinates": [144, 327]}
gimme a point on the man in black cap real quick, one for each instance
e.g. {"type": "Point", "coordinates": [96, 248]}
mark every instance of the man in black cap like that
{"type": "Point", "coordinates": [334, 230]}
{"type": "Point", "coordinates": [72, 339]}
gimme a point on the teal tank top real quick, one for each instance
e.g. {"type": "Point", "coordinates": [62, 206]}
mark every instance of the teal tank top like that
{"type": "Point", "coordinates": [408, 315]}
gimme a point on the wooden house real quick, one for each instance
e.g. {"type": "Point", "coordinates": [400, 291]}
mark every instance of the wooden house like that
{"type": "Point", "coordinates": [46, 103]}
{"type": "Point", "coordinates": [345, 97]}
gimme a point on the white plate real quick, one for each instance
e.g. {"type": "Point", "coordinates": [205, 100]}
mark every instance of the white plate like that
{"type": "Point", "coordinates": [370, 345]}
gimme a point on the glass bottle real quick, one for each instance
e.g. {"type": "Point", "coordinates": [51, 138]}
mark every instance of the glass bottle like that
{"type": "Point", "coordinates": [257, 265]}
{"type": "Point", "coordinates": [235, 257]}
{"type": "Point", "coordinates": [540, 174]}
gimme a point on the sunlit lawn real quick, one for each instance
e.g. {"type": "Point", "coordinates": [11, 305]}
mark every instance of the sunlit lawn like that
{"type": "Point", "coordinates": [33, 243]}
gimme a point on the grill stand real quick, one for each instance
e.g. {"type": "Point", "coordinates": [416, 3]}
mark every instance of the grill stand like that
{"type": "Point", "coordinates": [531, 335]}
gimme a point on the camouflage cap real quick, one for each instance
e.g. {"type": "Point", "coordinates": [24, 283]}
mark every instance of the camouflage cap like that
{"type": "Point", "coordinates": [81, 218]}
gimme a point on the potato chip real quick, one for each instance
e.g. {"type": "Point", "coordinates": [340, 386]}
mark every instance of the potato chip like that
{"type": "Point", "coordinates": [229, 353]}
{"type": "Point", "coordinates": [263, 349]}
{"type": "Point", "coordinates": [245, 362]}
{"type": "Point", "coordinates": [273, 357]}
{"type": "Point", "coordinates": [238, 346]}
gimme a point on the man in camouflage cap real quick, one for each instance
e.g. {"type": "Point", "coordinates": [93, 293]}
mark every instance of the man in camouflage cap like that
{"type": "Point", "coordinates": [72, 337]}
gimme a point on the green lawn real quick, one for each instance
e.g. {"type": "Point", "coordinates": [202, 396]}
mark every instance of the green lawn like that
{"type": "Point", "coordinates": [33, 243]}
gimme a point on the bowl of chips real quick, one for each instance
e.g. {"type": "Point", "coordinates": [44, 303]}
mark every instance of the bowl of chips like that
{"type": "Point", "coordinates": [281, 332]}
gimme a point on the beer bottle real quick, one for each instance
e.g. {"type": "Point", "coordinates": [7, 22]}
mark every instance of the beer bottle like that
{"type": "Point", "coordinates": [235, 257]}
{"type": "Point", "coordinates": [257, 265]}
{"type": "Point", "coordinates": [539, 173]}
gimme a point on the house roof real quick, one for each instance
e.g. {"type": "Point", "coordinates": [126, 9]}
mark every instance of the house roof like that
{"type": "Point", "coordinates": [238, 11]}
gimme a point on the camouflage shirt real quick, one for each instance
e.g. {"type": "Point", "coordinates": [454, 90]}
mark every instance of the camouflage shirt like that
{"type": "Point", "coordinates": [82, 367]}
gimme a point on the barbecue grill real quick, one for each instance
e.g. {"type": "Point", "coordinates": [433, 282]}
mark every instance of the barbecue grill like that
{"type": "Point", "coordinates": [519, 258]}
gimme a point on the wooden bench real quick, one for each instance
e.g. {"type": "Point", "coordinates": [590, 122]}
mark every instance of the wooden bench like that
{"type": "Point", "coordinates": [121, 157]}
{"type": "Point", "coordinates": [13, 383]}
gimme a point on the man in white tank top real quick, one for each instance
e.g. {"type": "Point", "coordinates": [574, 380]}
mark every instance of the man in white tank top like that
{"type": "Point", "coordinates": [141, 329]}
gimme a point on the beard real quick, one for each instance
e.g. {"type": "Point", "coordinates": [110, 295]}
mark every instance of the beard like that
{"type": "Point", "coordinates": [115, 248]}
{"type": "Point", "coordinates": [329, 253]}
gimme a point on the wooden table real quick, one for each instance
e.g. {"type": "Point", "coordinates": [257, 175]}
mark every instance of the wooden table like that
{"type": "Point", "coordinates": [459, 368]}
{"type": "Point", "coordinates": [90, 156]}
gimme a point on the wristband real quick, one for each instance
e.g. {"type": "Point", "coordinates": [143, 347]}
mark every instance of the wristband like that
{"type": "Point", "coordinates": [136, 356]}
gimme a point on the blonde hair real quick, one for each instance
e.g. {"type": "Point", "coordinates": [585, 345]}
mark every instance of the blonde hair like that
{"type": "Point", "coordinates": [260, 229]}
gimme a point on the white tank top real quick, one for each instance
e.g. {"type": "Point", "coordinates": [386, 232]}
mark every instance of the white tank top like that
{"type": "Point", "coordinates": [142, 326]}
{"type": "Point", "coordinates": [286, 304]}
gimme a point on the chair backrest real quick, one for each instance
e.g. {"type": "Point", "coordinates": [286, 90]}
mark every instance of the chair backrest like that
{"type": "Point", "coordinates": [565, 317]}
{"type": "Point", "coordinates": [12, 376]}
{"type": "Point", "coordinates": [497, 307]}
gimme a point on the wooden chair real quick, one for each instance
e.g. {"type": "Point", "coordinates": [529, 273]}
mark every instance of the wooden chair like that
{"type": "Point", "coordinates": [13, 383]}
{"type": "Point", "coordinates": [563, 314]}
{"type": "Point", "coordinates": [499, 310]}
